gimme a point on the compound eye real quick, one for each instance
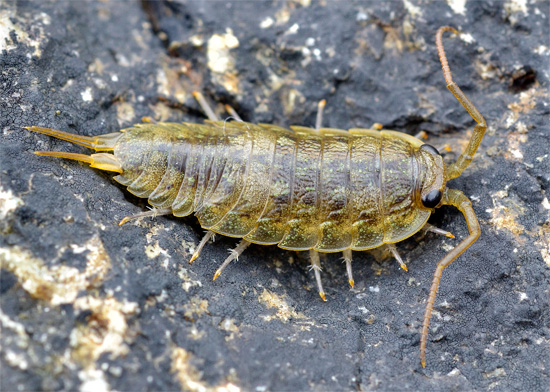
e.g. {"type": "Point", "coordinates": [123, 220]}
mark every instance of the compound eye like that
{"type": "Point", "coordinates": [432, 199]}
{"type": "Point", "coordinates": [430, 148]}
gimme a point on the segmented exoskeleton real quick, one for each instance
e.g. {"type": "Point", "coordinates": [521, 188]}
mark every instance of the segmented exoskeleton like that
{"type": "Point", "coordinates": [321, 190]}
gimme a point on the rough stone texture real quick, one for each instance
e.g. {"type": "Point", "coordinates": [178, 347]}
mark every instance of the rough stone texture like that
{"type": "Point", "coordinates": [88, 305]}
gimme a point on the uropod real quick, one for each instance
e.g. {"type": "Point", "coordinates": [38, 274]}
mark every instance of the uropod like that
{"type": "Point", "coordinates": [303, 189]}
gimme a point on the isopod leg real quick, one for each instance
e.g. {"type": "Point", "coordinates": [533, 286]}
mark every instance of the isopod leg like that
{"type": "Point", "coordinates": [319, 118]}
{"type": "Point", "coordinates": [459, 200]}
{"type": "Point", "coordinates": [153, 212]}
{"type": "Point", "coordinates": [316, 267]}
{"type": "Point", "coordinates": [347, 260]}
{"type": "Point", "coordinates": [233, 255]}
{"type": "Point", "coordinates": [209, 234]}
{"type": "Point", "coordinates": [148, 119]}
{"type": "Point", "coordinates": [397, 256]}
{"type": "Point", "coordinates": [207, 109]}
{"type": "Point", "coordinates": [437, 230]}
{"type": "Point", "coordinates": [233, 113]}
{"type": "Point", "coordinates": [205, 106]}
{"type": "Point", "coordinates": [421, 135]}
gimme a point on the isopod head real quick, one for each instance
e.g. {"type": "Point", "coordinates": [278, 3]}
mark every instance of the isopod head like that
{"type": "Point", "coordinates": [432, 177]}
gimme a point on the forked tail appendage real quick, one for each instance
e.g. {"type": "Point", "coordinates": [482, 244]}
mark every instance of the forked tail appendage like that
{"type": "Point", "coordinates": [101, 161]}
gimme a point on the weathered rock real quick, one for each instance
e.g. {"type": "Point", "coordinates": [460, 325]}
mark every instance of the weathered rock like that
{"type": "Point", "coordinates": [89, 305]}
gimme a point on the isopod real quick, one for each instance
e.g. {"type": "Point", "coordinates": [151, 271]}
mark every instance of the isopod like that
{"type": "Point", "coordinates": [303, 189]}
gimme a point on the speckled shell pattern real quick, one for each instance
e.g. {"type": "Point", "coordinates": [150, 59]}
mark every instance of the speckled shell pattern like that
{"type": "Point", "coordinates": [301, 189]}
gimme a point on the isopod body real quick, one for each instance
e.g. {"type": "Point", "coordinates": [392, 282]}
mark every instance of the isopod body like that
{"type": "Point", "coordinates": [329, 191]}
{"type": "Point", "coordinates": [323, 190]}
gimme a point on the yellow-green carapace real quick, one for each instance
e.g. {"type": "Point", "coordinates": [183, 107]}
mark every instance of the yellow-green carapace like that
{"type": "Point", "coordinates": [302, 189]}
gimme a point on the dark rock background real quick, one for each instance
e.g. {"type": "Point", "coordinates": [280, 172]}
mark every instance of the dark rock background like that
{"type": "Point", "coordinates": [88, 305]}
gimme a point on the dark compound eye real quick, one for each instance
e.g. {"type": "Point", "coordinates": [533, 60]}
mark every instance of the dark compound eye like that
{"type": "Point", "coordinates": [430, 148]}
{"type": "Point", "coordinates": [432, 199]}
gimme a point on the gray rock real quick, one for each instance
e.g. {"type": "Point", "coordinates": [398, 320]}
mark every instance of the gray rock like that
{"type": "Point", "coordinates": [89, 305]}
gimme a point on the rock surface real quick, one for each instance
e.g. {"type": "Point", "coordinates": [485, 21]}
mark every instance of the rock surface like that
{"type": "Point", "coordinates": [88, 305]}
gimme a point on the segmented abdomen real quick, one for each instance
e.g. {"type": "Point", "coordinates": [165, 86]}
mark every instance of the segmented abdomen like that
{"type": "Point", "coordinates": [301, 189]}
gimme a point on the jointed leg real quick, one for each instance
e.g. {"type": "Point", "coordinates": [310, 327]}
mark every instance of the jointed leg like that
{"type": "Point", "coordinates": [233, 113]}
{"type": "Point", "coordinates": [320, 110]}
{"type": "Point", "coordinates": [209, 234]}
{"type": "Point", "coordinates": [210, 112]}
{"type": "Point", "coordinates": [347, 259]}
{"type": "Point", "coordinates": [427, 227]}
{"type": "Point", "coordinates": [459, 200]}
{"type": "Point", "coordinates": [421, 135]}
{"type": "Point", "coordinates": [316, 267]}
{"type": "Point", "coordinates": [153, 213]}
{"type": "Point", "coordinates": [205, 106]}
{"type": "Point", "coordinates": [233, 255]}
{"type": "Point", "coordinates": [397, 256]}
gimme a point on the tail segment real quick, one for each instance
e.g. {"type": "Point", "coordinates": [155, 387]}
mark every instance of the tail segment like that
{"type": "Point", "coordinates": [101, 161]}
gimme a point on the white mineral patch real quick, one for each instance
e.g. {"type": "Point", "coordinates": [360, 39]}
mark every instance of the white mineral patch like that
{"type": "Point", "coordinates": [467, 37]}
{"type": "Point", "coordinates": [513, 6]}
{"type": "Point", "coordinates": [517, 154]}
{"type": "Point", "coordinates": [412, 9]}
{"type": "Point", "coordinates": [523, 297]}
{"type": "Point", "coordinates": [458, 6]}
{"type": "Point", "coordinates": [93, 380]}
{"type": "Point", "coordinates": [62, 282]}
{"type": "Point", "coordinates": [515, 9]}
{"type": "Point", "coordinates": [87, 95]}
{"type": "Point", "coordinates": [293, 29]}
{"type": "Point", "coordinates": [8, 203]}
{"type": "Point", "coordinates": [219, 58]}
{"type": "Point", "coordinates": [267, 22]}
{"type": "Point", "coordinates": [542, 50]}
{"type": "Point", "coordinates": [197, 40]}
{"type": "Point", "coordinates": [7, 27]}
